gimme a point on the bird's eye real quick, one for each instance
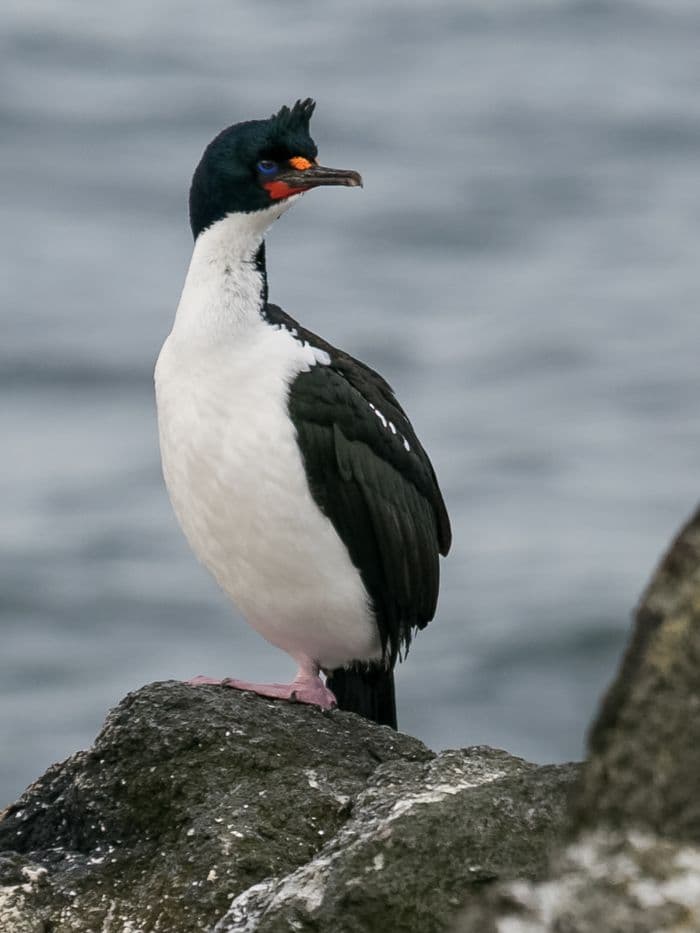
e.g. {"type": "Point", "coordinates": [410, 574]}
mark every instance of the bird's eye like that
{"type": "Point", "coordinates": [267, 167]}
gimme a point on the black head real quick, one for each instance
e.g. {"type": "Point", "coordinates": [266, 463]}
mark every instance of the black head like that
{"type": "Point", "coordinates": [252, 165]}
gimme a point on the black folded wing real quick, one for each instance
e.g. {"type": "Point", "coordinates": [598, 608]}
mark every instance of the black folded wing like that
{"type": "Point", "coordinates": [369, 474]}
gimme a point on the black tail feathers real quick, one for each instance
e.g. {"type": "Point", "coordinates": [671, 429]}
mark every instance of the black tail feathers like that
{"type": "Point", "coordinates": [367, 690]}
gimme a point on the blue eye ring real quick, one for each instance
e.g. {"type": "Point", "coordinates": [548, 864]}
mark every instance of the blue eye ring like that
{"type": "Point", "coordinates": [267, 167]}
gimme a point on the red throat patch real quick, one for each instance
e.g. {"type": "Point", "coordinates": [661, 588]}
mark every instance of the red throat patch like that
{"type": "Point", "coordinates": [280, 189]}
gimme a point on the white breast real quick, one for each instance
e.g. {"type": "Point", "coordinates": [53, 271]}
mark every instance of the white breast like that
{"type": "Point", "coordinates": [237, 483]}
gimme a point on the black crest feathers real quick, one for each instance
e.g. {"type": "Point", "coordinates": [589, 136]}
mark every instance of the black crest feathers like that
{"type": "Point", "coordinates": [294, 119]}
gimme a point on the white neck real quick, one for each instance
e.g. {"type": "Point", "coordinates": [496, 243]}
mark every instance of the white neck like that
{"type": "Point", "coordinates": [222, 294]}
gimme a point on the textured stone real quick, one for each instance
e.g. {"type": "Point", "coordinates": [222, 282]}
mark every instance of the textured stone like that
{"type": "Point", "coordinates": [643, 769]}
{"type": "Point", "coordinates": [188, 797]}
{"type": "Point", "coordinates": [604, 882]}
{"type": "Point", "coordinates": [419, 837]}
{"type": "Point", "coordinates": [203, 806]}
{"type": "Point", "coordinates": [632, 860]}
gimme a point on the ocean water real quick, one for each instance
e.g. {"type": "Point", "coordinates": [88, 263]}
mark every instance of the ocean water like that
{"type": "Point", "coordinates": [522, 265]}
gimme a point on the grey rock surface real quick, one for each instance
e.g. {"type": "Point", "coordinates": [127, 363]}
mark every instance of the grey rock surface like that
{"type": "Point", "coordinates": [632, 860]}
{"type": "Point", "coordinates": [418, 839]}
{"type": "Point", "coordinates": [203, 808]}
{"type": "Point", "coordinates": [643, 767]}
{"type": "Point", "coordinates": [603, 882]}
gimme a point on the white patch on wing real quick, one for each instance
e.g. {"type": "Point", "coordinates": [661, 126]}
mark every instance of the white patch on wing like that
{"type": "Point", "coordinates": [390, 425]}
{"type": "Point", "coordinates": [378, 414]}
{"type": "Point", "coordinates": [314, 356]}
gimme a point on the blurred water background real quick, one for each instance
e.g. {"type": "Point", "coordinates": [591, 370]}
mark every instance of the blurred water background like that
{"type": "Point", "coordinates": [522, 265]}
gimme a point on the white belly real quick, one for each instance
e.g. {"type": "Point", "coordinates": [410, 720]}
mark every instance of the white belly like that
{"type": "Point", "coordinates": [237, 483]}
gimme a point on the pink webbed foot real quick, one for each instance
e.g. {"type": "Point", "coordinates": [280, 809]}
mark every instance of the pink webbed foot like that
{"type": "Point", "coordinates": [303, 689]}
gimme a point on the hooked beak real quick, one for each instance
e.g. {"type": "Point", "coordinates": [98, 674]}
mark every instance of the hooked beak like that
{"type": "Point", "coordinates": [294, 181]}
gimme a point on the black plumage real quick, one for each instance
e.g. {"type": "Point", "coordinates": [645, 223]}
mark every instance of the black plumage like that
{"type": "Point", "coordinates": [369, 474]}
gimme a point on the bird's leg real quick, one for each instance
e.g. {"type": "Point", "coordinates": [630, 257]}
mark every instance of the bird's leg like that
{"type": "Point", "coordinates": [307, 687]}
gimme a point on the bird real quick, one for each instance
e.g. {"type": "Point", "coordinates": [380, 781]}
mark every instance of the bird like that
{"type": "Point", "coordinates": [294, 472]}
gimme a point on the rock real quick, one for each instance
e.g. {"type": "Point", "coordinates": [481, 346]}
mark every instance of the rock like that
{"type": "Point", "coordinates": [604, 882]}
{"type": "Point", "coordinates": [417, 836]}
{"type": "Point", "coordinates": [632, 861]}
{"type": "Point", "coordinates": [207, 808]}
{"type": "Point", "coordinates": [643, 769]}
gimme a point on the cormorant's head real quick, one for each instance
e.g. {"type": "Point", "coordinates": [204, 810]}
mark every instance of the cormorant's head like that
{"type": "Point", "coordinates": [259, 165]}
